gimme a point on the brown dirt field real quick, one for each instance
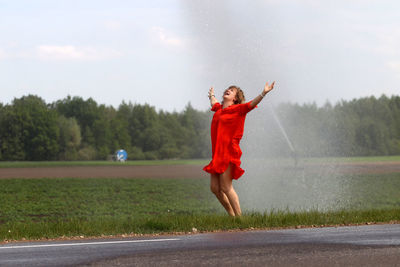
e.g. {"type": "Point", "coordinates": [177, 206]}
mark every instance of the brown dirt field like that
{"type": "Point", "coordinates": [362, 167]}
{"type": "Point", "coordinates": [179, 171]}
{"type": "Point", "coordinates": [166, 171]}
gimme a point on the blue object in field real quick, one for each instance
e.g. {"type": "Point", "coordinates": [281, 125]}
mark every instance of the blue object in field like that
{"type": "Point", "coordinates": [121, 155]}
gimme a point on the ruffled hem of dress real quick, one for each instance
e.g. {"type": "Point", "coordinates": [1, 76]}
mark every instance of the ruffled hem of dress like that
{"type": "Point", "coordinates": [237, 172]}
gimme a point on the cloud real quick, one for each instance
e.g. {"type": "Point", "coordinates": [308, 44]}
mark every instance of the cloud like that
{"type": "Point", "coordinates": [395, 67]}
{"type": "Point", "coordinates": [389, 42]}
{"type": "Point", "coordinates": [3, 54]}
{"type": "Point", "coordinates": [165, 38]}
{"type": "Point", "coordinates": [70, 52]}
{"type": "Point", "coordinates": [59, 52]}
{"type": "Point", "coordinates": [112, 25]}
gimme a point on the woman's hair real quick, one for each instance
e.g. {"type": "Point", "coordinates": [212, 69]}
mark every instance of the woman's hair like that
{"type": "Point", "coordinates": [239, 98]}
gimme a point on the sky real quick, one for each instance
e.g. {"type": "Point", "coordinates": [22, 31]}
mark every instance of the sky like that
{"type": "Point", "coordinates": [168, 53]}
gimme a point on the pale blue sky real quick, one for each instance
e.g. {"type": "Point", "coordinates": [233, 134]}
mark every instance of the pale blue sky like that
{"type": "Point", "coordinates": [168, 52]}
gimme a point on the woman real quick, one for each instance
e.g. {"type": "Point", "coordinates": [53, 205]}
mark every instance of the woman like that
{"type": "Point", "coordinates": [226, 131]}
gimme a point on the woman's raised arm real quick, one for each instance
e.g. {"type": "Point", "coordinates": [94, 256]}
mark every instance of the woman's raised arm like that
{"type": "Point", "coordinates": [211, 96]}
{"type": "Point", "coordinates": [258, 98]}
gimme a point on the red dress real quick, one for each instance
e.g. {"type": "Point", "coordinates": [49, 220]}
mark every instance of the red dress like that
{"type": "Point", "coordinates": [226, 131]}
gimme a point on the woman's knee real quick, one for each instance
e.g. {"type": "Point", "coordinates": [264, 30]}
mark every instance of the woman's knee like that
{"type": "Point", "coordinates": [226, 181]}
{"type": "Point", "coordinates": [226, 187]}
{"type": "Point", "coordinates": [215, 189]}
{"type": "Point", "coordinates": [214, 184]}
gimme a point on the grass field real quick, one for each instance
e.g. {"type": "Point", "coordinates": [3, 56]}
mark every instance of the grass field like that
{"type": "Point", "coordinates": [40, 164]}
{"type": "Point", "coordinates": [199, 162]}
{"type": "Point", "coordinates": [354, 159]}
{"type": "Point", "coordinates": [51, 208]}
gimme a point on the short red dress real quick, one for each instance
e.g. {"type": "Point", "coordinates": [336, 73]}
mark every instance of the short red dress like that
{"type": "Point", "coordinates": [227, 128]}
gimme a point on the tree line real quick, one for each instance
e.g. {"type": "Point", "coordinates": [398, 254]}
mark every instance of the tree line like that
{"type": "Point", "coordinates": [366, 126]}
{"type": "Point", "coordinates": [78, 129]}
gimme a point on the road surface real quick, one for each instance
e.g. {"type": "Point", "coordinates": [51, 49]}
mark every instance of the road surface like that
{"type": "Point", "coordinates": [370, 245]}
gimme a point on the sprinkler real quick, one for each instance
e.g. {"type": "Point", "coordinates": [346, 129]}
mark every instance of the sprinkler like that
{"type": "Point", "coordinates": [293, 152]}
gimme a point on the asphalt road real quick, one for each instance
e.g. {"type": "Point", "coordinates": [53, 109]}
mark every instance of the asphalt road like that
{"type": "Point", "coordinates": [370, 245]}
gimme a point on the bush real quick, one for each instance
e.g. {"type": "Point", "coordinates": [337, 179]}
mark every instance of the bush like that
{"type": "Point", "coordinates": [151, 155]}
{"type": "Point", "coordinates": [102, 153]}
{"type": "Point", "coordinates": [87, 153]}
{"type": "Point", "coordinates": [135, 153]}
{"type": "Point", "coordinates": [169, 152]}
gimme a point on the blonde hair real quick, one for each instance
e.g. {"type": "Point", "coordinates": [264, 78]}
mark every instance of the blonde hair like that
{"type": "Point", "coordinates": [239, 98]}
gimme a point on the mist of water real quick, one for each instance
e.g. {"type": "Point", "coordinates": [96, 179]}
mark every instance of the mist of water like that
{"type": "Point", "coordinates": [278, 176]}
{"type": "Point", "coordinates": [283, 131]}
{"type": "Point", "coordinates": [233, 52]}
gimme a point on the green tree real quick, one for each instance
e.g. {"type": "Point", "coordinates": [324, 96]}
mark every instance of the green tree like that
{"type": "Point", "coordinates": [31, 130]}
{"type": "Point", "coordinates": [70, 138]}
{"type": "Point", "coordinates": [103, 137]}
{"type": "Point", "coordinates": [86, 112]}
{"type": "Point", "coordinates": [196, 134]}
{"type": "Point", "coordinates": [74, 128]}
{"type": "Point", "coordinates": [12, 146]}
{"type": "Point", "coordinates": [2, 116]}
{"type": "Point", "coordinates": [144, 128]}
{"type": "Point", "coordinates": [120, 128]}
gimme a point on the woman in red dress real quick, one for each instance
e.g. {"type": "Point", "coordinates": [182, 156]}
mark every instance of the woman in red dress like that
{"type": "Point", "coordinates": [226, 131]}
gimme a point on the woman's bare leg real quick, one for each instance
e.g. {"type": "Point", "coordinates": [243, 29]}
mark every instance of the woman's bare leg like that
{"type": "Point", "coordinates": [227, 188]}
{"type": "Point", "coordinates": [223, 199]}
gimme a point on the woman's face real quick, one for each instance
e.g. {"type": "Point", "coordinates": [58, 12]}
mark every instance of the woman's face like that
{"type": "Point", "coordinates": [230, 94]}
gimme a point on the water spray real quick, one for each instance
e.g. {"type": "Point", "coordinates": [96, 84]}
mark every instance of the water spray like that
{"type": "Point", "coordinates": [283, 131]}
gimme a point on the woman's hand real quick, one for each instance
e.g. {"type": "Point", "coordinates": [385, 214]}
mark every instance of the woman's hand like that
{"type": "Point", "coordinates": [211, 92]}
{"type": "Point", "coordinates": [258, 98]}
{"type": "Point", "coordinates": [211, 96]}
{"type": "Point", "coordinates": [268, 88]}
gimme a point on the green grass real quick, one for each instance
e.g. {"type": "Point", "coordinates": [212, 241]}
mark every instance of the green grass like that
{"type": "Point", "coordinates": [90, 227]}
{"type": "Point", "coordinates": [49, 199]}
{"type": "Point", "coordinates": [369, 191]}
{"type": "Point", "coordinates": [39, 164]}
{"type": "Point", "coordinates": [51, 208]}
{"type": "Point", "coordinates": [353, 159]}
{"type": "Point", "coordinates": [198, 162]}
{"type": "Point", "coordinates": [29, 204]}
